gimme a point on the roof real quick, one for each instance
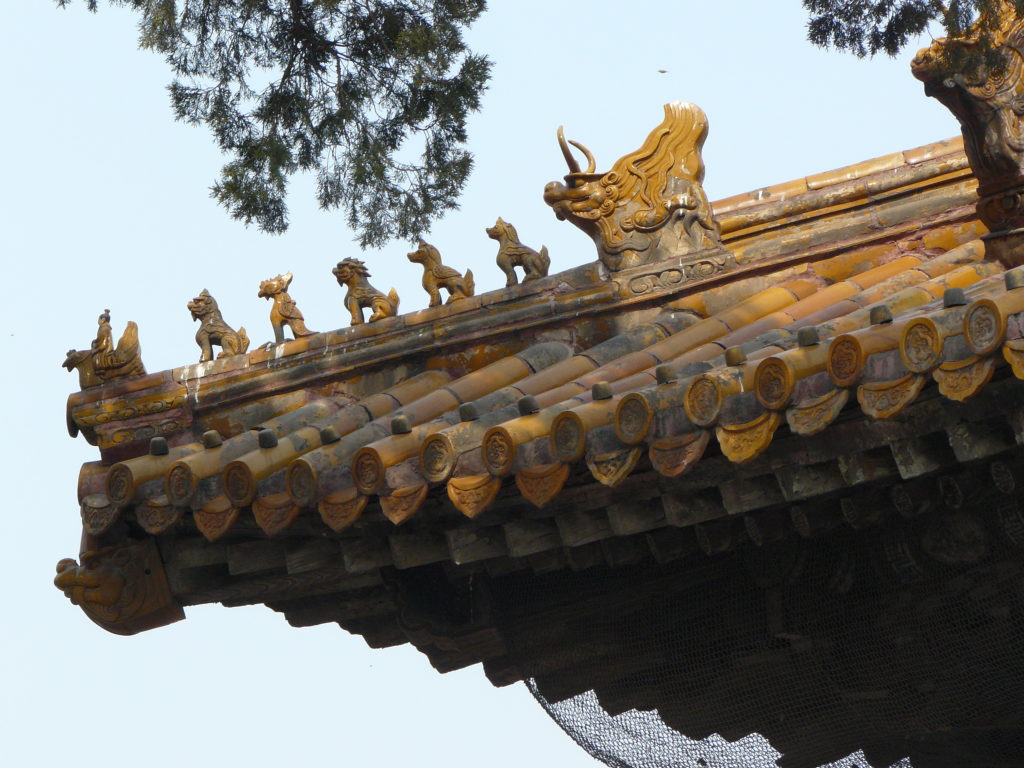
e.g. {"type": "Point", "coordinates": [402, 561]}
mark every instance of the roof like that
{"type": "Point", "coordinates": [576, 382]}
{"type": "Point", "coordinates": [756, 469]}
{"type": "Point", "coordinates": [846, 337]}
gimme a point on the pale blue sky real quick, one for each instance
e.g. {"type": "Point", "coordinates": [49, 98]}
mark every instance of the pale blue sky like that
{"type": "Point", "coordinates": [105, 204]}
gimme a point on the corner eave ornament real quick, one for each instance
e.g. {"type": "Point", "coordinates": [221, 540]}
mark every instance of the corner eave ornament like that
{"type": "Point", "coordinates": [122, 588]}
{"type": "Point", "coordinates": [650, 207]}
{"type": "Point", "coordinates": [104, 361]}
{"type": "Point", "coordinates": [986, 95]}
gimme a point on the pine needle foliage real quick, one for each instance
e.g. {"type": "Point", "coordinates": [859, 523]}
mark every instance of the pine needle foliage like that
{"type": "Point", "coordinates": [868, 27]}
{"type": "Point", "coordinates": [372, 96]}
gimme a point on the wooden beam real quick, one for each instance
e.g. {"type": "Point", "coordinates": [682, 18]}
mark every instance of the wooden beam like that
{"type": "Point", "coordinates": [364, 555]}
{"type": "Point", "coordinates": [530, 537]}
{"type": "Point", "coordinates": [686, 509]}
{"type": "Point", "coordinates": [748, 494]}
{"type": "Point", "coordinates": [310, 554]}
{"type": "Point", "coordinates": [799, 481]}
{"type": "Point", "coordinates": [873, 465]}
{"type": "Point", "coordinates": [256, 556]}
{"type": "Point", "coordinates": [628, 518]}
{"type": "Point", "coordinates": [980, 440]}
{"type": "Point", "coordinates": [469, 545]}
{"type": "Point", "coordinates": [916, 456]}
{"type": "Point", "coordinates": [579, 528]}
{"type": "Point", "coordinates": [409, 550]}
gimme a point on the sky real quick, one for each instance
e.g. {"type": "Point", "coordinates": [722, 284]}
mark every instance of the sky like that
{"type": "Point", "coordinates": [105, 204]}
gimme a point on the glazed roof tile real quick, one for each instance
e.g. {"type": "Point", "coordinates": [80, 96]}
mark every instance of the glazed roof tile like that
{"type": "Point", "coordinates": [514, 438]}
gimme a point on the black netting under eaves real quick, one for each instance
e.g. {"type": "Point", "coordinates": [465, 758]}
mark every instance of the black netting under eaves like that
{"type": "Point", "coordinates": [897, 645]}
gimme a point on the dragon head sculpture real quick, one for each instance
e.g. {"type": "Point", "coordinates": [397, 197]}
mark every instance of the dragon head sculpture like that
{"type": "Point", "coordinates": [650, 206]}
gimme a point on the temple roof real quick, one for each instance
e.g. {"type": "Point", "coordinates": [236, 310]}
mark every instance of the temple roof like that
{"type": "Point", "coordinates": [755, 469]}
{"type": "Point", "coordinates": [510, 428]}
{"type": "Point", "coordinates": [844, 343]}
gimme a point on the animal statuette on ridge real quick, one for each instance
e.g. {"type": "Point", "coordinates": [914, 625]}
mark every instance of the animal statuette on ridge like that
{"type": "Point", "coordinates": [353, 275]}
{"type": "Point", "coordinates": [284, 311]}
{"type": "Point", "coordinates": [650, 206]}
{"type": "Point", "coordinates": [437, 276]}
{"type": "Point", "coordinates": [103, 361]}
{"type": "Point", "coordinates": [214, 331]}
{"type": "Point", "coordinates": [512, 253]}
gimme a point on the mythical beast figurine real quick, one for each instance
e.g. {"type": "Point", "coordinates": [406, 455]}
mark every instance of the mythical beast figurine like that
{"type": "Point", "coordinates": [213, 329]}
{"type": "Point", "coordinates": [353, 274]}
{"type": "Point", "coordinates": [650, 206]}
{"type": "Point", "coordinates": [512, 253]}
{"type": "Point", "coordinates": [104, 362]}
{"type": "Point", "coordinates": [437, 276]}
{"type": "Point", "coordinates": [284, 312]}
{"type": "Point", "coordinates": [123, 587]}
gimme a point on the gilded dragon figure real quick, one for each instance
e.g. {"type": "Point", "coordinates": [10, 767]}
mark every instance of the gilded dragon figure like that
{"type": "Point", "coordinates": [650, 206]}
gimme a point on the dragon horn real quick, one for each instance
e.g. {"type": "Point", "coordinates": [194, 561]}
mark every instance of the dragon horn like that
{"type": "Point", "coordinates": [591, 164]}
{"type": "Point", "coordinates": [574, 167]}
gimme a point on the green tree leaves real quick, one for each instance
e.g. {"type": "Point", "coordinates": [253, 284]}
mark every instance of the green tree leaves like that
{"type": "Point", "coordinates": [867, 27]}
{"type": "Point", "coordinates": [371, 96]}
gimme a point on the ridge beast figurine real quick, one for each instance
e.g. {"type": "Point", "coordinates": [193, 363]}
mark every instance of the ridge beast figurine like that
{"type": "Point", "coordinates": [104, 362]}
{"type": "Point", "coordinates": [352, 274]}
{"type": "Point", "coordinates": [284, 311]}
{"type": "Point", "coordinates": [650, 206]}
{"type": "Point", "coordinates": [437, 276]}
{"type": "Point", "coordinates": [213, 329]}
{"type": "Point", "coordinates": [512, 253]}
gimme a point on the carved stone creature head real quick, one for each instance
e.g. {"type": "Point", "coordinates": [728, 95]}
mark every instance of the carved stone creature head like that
{"type": "Point", "coordinates": [203, 305]}
{"type": "Point", "coordinates": [650, 206]}
{"type": "Point", "coordinates": [503, 230]}
{"type": "Point", "coordinates": [350, 270]}
{"type": "Point", "coordinates": [275, 285]}
{"type": "Point", "coordinates": [425, 254]}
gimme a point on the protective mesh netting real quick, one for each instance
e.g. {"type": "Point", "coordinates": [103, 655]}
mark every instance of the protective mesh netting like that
{"type": "Point", "coordinates": [897, 646]}
{"type": "Point", "coordinates": [643, 739]}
